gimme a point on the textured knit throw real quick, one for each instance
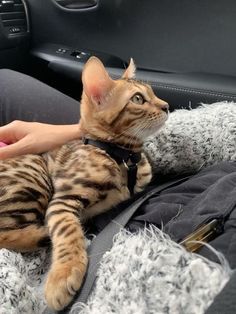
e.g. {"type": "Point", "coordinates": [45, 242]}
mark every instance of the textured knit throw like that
{"type": "Point", "coordinates": [192, 139]}
{"type": "Point", "coordinates": [147, 273]}
{"type": "Point", "coordinates": [142, 273]}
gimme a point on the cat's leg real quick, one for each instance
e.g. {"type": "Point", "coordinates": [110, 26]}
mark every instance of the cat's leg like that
{"type": "Point", "coordinates": [26, 239]}
{"type": "Point", "coordinates": [69, 257]}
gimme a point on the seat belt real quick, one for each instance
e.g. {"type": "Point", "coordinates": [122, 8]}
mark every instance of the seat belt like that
{"type": "Point", "coordinates": [104, 241]}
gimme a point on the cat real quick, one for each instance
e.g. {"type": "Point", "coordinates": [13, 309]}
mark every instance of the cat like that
{"type": "Point", "coordinates": [55, 193]}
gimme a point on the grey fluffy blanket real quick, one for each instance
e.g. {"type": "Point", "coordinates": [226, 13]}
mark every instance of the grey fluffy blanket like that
{"type": "Point", "coordinates": [147, 272]}
{"type": "Point", "coordinates": [192, 139]}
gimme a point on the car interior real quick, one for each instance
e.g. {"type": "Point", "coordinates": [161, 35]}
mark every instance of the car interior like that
{"type": "Point", "coordinates": [184, 49]}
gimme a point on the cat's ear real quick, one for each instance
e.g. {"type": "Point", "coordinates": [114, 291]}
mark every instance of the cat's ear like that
{"type": "Point", "coordinates": [96, 81]}
{"type": "Point", "coordinates": [130, 71]}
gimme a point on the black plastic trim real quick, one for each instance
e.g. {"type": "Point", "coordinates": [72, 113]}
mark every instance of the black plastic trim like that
{"type": "Point", "coordinates": [181, 90]}
{"type": "Point", "coordinates": [77, 4]}
{"type": "Point", "coordinates": [81, 7]}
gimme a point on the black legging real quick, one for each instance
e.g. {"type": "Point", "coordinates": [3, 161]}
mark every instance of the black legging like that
{"type": "Point", "coordinates": [25, 98]}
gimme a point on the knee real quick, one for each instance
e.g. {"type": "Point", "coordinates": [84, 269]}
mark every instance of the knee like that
{"type": "Point", "coordinates": [7, 75]}
{"type": "Point", "coordinates": [9, 80]}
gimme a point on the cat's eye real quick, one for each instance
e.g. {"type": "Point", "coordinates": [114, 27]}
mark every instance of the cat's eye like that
{"type": "Point", "coordinates": [138, 99]}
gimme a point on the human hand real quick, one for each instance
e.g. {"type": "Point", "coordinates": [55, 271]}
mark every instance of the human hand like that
{"type": "Point", "coordinates": [34, 138]}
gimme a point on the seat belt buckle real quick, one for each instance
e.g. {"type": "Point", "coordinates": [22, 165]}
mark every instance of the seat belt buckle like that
{"type": "Point", "coordinates": [203, 234]}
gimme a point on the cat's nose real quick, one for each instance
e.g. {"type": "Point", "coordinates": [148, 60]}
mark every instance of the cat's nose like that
{"type": "Point", "coordinates": [165, 107]}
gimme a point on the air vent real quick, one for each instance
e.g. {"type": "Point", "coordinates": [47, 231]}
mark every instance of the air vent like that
{"type": "Point", "coordinates": [13, 16]}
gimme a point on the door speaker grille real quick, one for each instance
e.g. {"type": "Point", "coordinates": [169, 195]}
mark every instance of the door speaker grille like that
{"type": "Point", "coordinates": [13, 16]}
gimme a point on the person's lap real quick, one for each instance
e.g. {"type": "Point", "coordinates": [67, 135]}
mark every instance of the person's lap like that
{"type": "Point", "coordinates": [25, 98]}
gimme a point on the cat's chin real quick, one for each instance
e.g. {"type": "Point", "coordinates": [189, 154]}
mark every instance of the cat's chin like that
{"type": "Point", "coordinates": [151, 131]}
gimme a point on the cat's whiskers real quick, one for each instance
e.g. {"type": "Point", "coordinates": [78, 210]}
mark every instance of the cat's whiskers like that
{"type": "Point", "coordinates": [139, 130]}
{"type": "Point", "coordinates": [126, 132]}
{"type": "Point", "coordinates": [149, 127]}
{"type": "Point", "coordinates": [134, 133]}
{"type": "Point", "coordinates": [135, 139]}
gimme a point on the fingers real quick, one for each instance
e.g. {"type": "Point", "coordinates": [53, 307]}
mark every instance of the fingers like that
{"type": "Point", "coordinates": [8, 132]}
{"type": "Point", "coordinates": [13, 150]}
{"type": "Point", "coordinates": [5, 134]}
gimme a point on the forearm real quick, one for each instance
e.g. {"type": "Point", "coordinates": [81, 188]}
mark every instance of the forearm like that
{"type": "Point", "coordinates": [35, 138]}
{"type": "Point", "coordinates": [66, 133]}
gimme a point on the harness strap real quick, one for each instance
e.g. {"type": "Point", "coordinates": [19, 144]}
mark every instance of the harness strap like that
{"type": "Point", "coordinates": [132, 176]}
{"type": "Point", "coordinates": [120, 155]}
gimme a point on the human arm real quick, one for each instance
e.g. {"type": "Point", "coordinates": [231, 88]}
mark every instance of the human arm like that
{"type": "Point", "coordinates": [34, 137]}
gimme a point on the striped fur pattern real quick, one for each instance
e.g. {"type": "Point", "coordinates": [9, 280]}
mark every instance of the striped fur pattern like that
{"type": "Point", "coordinates": [51, 196]}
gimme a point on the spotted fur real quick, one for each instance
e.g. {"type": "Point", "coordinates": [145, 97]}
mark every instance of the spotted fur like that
{"type": "Point", "coordinates": [51, 196]}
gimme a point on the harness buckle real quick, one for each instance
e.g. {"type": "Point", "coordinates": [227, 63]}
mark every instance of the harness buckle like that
{"type": "Point", "coordinates": [125, 164]}
{"type": "Point", "coordinates": [128, 165]}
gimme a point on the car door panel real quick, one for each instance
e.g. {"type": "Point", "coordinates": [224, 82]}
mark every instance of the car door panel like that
{"type": "Point", "coordinates": [175, 36]}
{"type": "Point", "coordinates": [180, 89]}
{"type": "Point", "coordinates": [171, 42]}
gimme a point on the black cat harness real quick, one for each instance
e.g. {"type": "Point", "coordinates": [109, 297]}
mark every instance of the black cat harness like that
{"type": "Point", "coordinates": [122, 156]}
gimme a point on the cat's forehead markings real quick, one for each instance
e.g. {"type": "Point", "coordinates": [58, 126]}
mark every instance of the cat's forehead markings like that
{"type": "Point", "coordinates": [142, 87]}
{"type": "Point", "coordinates": [145, 88]}
{"type": "Point", "coordinates": [137, 83]}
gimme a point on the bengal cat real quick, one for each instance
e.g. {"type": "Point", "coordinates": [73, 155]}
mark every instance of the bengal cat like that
{"type": "Point", "coordinates": [54, 194]}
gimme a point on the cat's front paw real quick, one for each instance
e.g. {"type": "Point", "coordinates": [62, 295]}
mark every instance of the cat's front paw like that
{"type": "Point", "coordinates": [62, 283]}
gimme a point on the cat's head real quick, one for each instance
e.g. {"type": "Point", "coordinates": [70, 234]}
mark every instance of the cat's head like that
{"type": "Point", "coordinates": [123, 111]}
